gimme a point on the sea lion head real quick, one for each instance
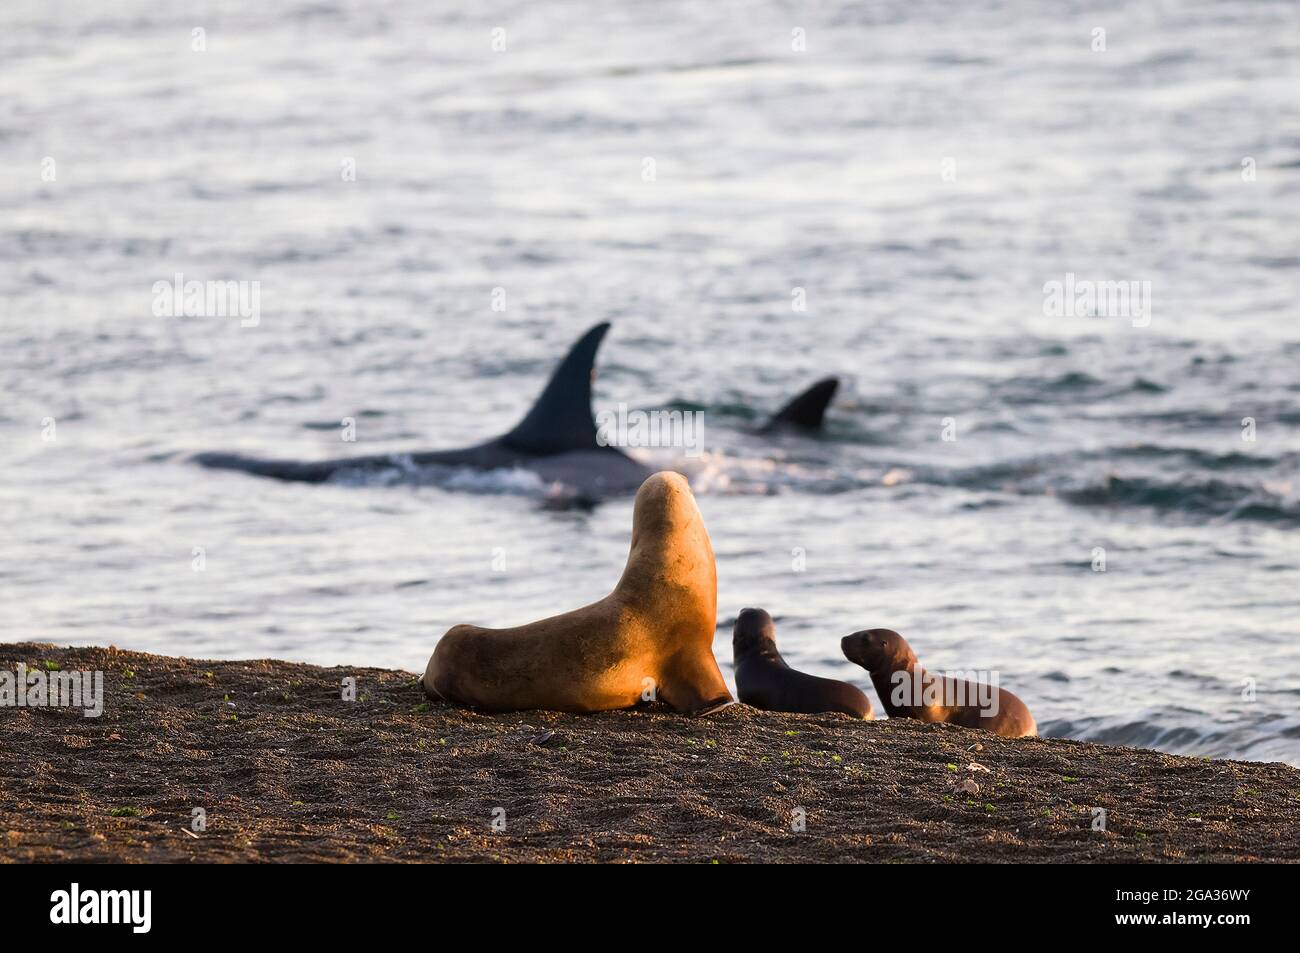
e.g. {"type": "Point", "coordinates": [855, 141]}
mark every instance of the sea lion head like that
{"type": "Point", "coordinates": [878, 650]}
{"type": "Point", "coordinates": [670, 545]}
{"type": "Point", "coordinates": [753, 630]}
{"type": "Point", "coordinates": [664, 506]}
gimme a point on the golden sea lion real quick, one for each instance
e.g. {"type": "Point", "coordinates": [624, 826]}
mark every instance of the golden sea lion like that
{"type": "Point", "coordinates": [651, 637]}
{"type": "Point", "coordinates": [909, 691]}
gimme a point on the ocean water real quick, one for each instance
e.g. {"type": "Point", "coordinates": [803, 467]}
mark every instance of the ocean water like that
{"type": "Point", "coordinates": [915, 172]}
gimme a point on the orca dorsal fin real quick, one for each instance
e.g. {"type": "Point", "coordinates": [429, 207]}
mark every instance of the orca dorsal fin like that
{"type": "Point", "coordinates": [560, 419]}
{"type": "Point", "coordinates": [806, 411]}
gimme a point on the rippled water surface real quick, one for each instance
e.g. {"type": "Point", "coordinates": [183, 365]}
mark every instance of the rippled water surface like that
{"type": "Point", "coordinates": [775, 170]}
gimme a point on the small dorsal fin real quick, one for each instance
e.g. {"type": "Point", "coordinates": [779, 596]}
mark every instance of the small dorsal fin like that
{"type": "Point", "coordinates": [807, 410]}
{"type": "Point", "coordinates": [560, 419]}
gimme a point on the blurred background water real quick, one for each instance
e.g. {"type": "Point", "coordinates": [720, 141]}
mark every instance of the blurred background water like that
{"type": "Point", "coordinates": [827, 168]}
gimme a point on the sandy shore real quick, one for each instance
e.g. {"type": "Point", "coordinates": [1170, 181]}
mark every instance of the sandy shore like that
{"type": "Point", "coordinates": [284, 769]}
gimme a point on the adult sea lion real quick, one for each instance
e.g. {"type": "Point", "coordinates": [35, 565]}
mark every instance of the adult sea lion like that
{"type": "Point", "coordinates": [908, 691]}
{"type": "Point", "coordinates": [652, 634]}
{"type": "Point", "coordinates": [764, 680]}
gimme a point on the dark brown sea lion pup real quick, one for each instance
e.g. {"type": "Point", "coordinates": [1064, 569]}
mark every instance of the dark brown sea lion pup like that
{"type": "Point", "coordinates": [908, 691]}
{"type": "Point", "coordinates": [764, 680]}
{"type": "Point", "coordinates": [651, 637]}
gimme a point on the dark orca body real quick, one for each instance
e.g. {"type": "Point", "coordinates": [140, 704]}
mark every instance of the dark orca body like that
{"type": "Point", "coordinates": [556, 440]}
{"type": "Point", "coordinates": [805, 412]}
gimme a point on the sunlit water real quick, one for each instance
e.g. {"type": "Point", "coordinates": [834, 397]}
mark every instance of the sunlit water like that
{"type": "Point", "coordinates": [775, 170]}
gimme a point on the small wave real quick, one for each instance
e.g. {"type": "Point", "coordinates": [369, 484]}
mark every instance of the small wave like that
{"type": "Point", "coordinates": [1071, 387]}
{"type": "Point", "coordinates": [1074, 380]}
{"type": "Point", "coordinates": [1189, 457]}
{"type": "Point", "coordinates": [1141, 733]}
{"type": "Point", "coordinates": [513, 482]}
{"type": "Point", "coordinates": [405, 472]}
{"type": "Point", "coordinates": [1143, 386]}
{"type": "Point", "coordinates": [1205, 498]}
{"type": "Point", "coordinates": [1168, 480]}
{"type": "Point", "coordinates": [336, 424]}
{"type": "Point", "coordinates": [1182, 731]}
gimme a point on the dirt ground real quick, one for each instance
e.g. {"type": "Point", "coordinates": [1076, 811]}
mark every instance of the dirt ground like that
{"type": "Point", "coordinates": [285, 770]}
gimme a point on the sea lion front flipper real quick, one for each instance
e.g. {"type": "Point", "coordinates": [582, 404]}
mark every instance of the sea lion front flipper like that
{"type": "Point", "coordinates": [694, 686]}
{"type": "Point", "coordinates": [428, 690]}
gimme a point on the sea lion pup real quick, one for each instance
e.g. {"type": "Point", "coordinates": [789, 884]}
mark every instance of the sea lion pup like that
{"type": "Point", "coordinates": [899, 678]}
{"type": "Point", "coordinates": [764, 680]}
{"type": "Point", "coordinates": [652, 637]}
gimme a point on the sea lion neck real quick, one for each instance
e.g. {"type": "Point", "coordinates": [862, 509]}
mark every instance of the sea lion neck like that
{"type": "Point", "coordinates": [904, 657]}
{"type": "Point", "coordinates": [760, 647]}
{"type": "Point", "coordinates": [669, 541]}
{"type": "Point", "coordinates": [883, 678]}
